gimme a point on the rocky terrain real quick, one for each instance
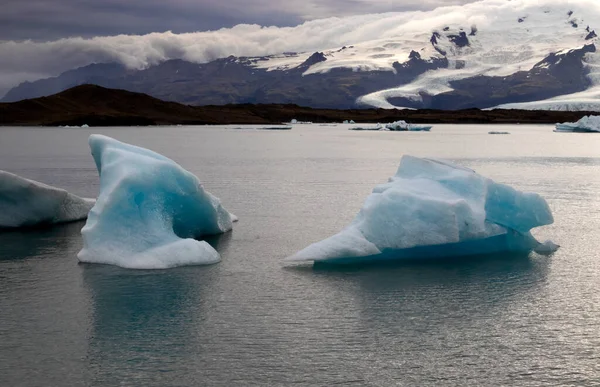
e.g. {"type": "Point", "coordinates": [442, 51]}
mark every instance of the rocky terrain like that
{"type": "Point", "coordinates": [98, 106]}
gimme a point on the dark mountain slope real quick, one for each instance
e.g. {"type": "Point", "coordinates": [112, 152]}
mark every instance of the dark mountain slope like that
{"type": "Point", "coordinates": [98, 106]}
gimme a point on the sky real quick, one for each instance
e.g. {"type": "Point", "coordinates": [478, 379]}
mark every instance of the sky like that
{"type": "Point", "coordinates": [43, 38]}
{"type": "Point", "coordinates": [44, 20]}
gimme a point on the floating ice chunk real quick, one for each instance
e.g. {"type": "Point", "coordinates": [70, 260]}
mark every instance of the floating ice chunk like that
{"type": "Point", "coordinates": [376, 127]}
{"type": "Point", "coordinates": [419, 128]}
{"type": "Point", "coordinates": [349, 122]}
{"type": "Point", "coordinates": [285, 127]}
{"type": "Point", "coordinates": [403, 126]}
{"type": "Point", "coordinates": [295, 121]}
{"type": "Point", "coordinates": [85, 126]}
{"type": "Point", "coordinates": [26, 203]}
{"type": "Point", "coordinates": [588, 124]}
{"type": "Point", "coordinates": [434, 209]}
{"type": "Point", "coordinates": [149, 211]}
{"type": "Point", "coordinates": [546, 248]}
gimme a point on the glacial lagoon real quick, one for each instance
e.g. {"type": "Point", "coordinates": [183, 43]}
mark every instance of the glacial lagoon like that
{"type": "Point", "coordinates": [254, 319]}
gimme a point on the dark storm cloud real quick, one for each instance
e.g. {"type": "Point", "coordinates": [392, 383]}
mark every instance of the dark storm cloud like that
{"type": "Point", "coordinates": [53, 19]}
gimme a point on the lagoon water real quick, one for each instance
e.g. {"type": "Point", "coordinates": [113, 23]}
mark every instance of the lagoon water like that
{"type": "Point", "coordinates": [252, 320]}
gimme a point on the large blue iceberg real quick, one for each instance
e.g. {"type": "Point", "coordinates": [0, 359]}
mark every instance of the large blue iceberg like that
{"type": "Point", "coordinates": [149, 211]}
{"type": "Point", "coordinates": [434, 209]}
{"type": "Point", "coordinates": [28, 203]}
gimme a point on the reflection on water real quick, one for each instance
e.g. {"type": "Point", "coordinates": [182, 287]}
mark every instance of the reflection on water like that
{"type": "Point", "coordinates": [402, 311]}
{"type": "Point", "coordinates": [250, 320]}
{"type": "Point", "coordinates": [43, 242]}
{"type": "Point", "coordinates": [142, 322]}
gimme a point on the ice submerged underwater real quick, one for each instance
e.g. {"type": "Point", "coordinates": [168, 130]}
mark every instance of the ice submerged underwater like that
{"type": "Point", "coordinates": [149, 211]}
{"type": "Point", "coordinates": [434, 209]}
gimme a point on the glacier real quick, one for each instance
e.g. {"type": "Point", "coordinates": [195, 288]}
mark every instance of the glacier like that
{"type": "Point", "coordinates": [587, 124]}
{"type": "Point", "coordinates": [435, 209]}
{"type": "Point", "coordinates": [149, 211]}
{"type": "Point", "coordinates": [28, 203]}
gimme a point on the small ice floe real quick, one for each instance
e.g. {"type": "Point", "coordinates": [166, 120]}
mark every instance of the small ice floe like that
{"type": "Point", "coordinates": [28, 203]}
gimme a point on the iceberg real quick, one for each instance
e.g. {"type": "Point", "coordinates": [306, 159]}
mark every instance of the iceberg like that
{"type": "Point", "coordinates": [402, 125]}
{"type": "Point", "coordinates": [348, 122]}
{"type": "Point", "coordinates": [284, 127]}
{"type": "Point", "coordinates": [149, 211]}
{"type": "Point", "coordinates": [28, 203]}
{"type": "Point", "coordinates": [435, 209]}
{"type": "Point", "coordinates": [376, 127]}
{"type": "Point", "coordinates": [588, 124]}
{"type": "Point", "coordinates": [497, 132]}
{"type": "Point", "coordinates": [295, 121]}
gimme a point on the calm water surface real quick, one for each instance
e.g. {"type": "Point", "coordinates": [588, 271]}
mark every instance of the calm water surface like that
{"type": "Point", "coordinates": [252, 320]}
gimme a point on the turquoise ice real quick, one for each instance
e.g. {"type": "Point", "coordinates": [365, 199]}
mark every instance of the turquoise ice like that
{"type": "Point", "coordinates": [434, 209]}
{"type": "Point", "coordinates": [149, 211]}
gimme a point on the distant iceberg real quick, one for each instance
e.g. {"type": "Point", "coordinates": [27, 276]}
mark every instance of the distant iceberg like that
{"type": "Point", "coordinates": [397, 126]}
{"type": "Point", "coordinates": [28, 203]}
{"type": "Point", "coordinates": [404, 126]}
{"type": "Point", "coordinates": [376, 127]}
{"type": "Point", "coordinates": [497, 132]}
{"type": "Point", "coordinates": [588, 124]}
{"type": "Point", "coordinates": [149, 211]}
{"type": "Point", "coordinates": [295, 121]}
{"type": "Point", "coordinates": [284, 127]}
{"type": "Point", "coordinates": [434, 209]}
{"type": "Point", "coordinates": [348, 122]}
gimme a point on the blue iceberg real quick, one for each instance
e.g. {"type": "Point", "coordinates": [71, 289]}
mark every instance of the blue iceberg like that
{"type": "Point", "coordinates": [587, 124]}
{"type": "Point", "coordinates": [149, 211]}
{"type": "Point", "coordinates": [434, 209]}
{"type": "Point", "coordinates": [28, 203]}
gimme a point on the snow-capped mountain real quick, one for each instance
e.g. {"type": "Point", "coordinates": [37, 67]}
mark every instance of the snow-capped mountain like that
{"type": "Point", "coordinates": [509, 53]}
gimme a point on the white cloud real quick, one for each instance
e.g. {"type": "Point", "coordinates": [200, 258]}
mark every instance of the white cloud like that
{"type": "Point", "coordinates": [30, 60]}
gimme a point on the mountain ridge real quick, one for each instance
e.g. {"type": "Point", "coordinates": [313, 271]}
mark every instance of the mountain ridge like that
{"type": "Point", "coordinates": [483, 55]}
{"type": "Point", "coordinates": [98, 106]}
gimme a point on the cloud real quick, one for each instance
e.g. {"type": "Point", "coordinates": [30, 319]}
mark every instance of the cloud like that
{"type": "Point", "coordinates": [30, 60]}
{"type": "Point", "coordinates": [45, 20]}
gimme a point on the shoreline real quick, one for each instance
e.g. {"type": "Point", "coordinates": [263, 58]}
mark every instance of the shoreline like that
{"type": "Point", "coordinates": [97, 106]}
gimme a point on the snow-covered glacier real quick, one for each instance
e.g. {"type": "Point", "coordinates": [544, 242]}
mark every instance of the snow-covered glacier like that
{"type": "Point", "coordinates": [434, 209]}
{"type": "Point", "coordinates": [149, 211]}
{"type": "Point", "coordinates": [28, 203]}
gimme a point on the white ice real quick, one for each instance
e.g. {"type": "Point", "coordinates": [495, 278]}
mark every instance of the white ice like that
{"type": "Point", "coordinates": [149, 211]}
{"type": "Point", "coordinates": [27, 203]}
{"type": "Point", "coordinates": [434, 209]}
{"type": "Point", "coordinates": [375, 127]}
{"type": "Point", "coordinates": [402, 125]}
{"type": "Point", "coordinates": [585, 124]}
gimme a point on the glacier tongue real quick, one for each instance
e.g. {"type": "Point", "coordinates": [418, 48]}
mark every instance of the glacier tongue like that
{"type": "Point", "coordinates": [149, 211]}
{"type": "Point", "coordinates": [434, 209]}
{"type": "Point", "coordinates": [26, 203]}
